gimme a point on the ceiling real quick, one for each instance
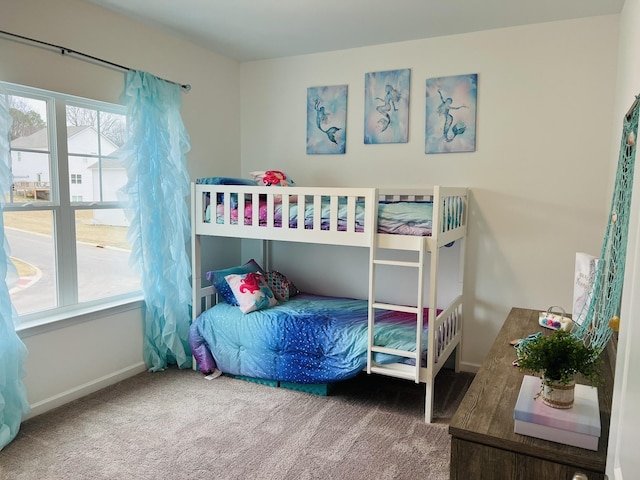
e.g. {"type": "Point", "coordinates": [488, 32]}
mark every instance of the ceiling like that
{"type": "Point", "coordinates": [248, 30]}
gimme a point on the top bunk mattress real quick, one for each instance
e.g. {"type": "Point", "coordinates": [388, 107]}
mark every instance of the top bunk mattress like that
{"type": "Point", "coordinates": [399, 218]}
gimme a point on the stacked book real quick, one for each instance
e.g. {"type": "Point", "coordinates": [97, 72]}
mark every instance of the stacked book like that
{"type": "Point", "coordinates": [578, 426]}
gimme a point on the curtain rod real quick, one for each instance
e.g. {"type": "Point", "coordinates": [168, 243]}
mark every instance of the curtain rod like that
{"type": "Point", "coordinates": [66, 51]}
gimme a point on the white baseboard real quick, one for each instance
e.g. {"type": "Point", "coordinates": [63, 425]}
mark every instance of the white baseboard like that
{"type": "Point", "coordinates": [85, 389]}
{"type": "Point", "coordinates": [469, 367]}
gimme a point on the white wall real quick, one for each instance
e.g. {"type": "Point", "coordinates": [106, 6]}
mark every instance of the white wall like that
{"type": "Point", "coordinates": [539, 177]}
{"type": "Point", "coordinates": [68, 362]}
{"type": "Point", "coordinates": [84, 356]}
{"type": "Point", "coordinates": [624, 437]}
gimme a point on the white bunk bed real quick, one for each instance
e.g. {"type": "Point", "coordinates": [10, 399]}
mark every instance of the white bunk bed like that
{"type": "Point", "coordinates": [449, 222]}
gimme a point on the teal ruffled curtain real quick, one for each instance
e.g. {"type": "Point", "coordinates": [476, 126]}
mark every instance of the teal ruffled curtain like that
{"type": "Point", "coordinates": [159, 232]}
{"type": "Point", "coordinates": [13, 353]}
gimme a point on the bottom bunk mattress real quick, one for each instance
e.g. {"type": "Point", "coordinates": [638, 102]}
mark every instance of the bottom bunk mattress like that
{"type": "Point", "coordinates": [308, 339]}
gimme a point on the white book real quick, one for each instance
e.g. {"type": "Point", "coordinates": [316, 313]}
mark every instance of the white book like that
{"type": "Point", "coordinates": [578, 426]}
{"type": "Point", "coordinates": [557, 435]}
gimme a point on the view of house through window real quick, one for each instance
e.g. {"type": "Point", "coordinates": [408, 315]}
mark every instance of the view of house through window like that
{"type": "Point", "coordinates": [64, 218]}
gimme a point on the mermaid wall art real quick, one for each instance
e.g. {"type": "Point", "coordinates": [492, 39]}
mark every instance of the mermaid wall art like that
{"type": "Point", "coordinates": [386, 104]}
{"type": "Point", "coordinates": [451, 114]}
{"type": "Point", "coordinates": [326, 119]}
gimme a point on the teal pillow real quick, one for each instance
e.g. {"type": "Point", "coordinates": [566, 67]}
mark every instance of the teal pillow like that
{"type": "Point", "coordinates": [225, 181]}
{"type": "Point", "coordinates": [216, 277]}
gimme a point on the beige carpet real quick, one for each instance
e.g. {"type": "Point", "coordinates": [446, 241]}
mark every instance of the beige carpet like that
{"type": "Point", "coordinates": [177, 425]}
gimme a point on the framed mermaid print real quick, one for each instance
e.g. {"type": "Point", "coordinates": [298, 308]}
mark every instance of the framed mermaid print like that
{"type": "Point", "coordinates": [326, 119]}
{"type": "Point", "coordinates": [386, 106]}
{"type": "Point", "coordinates": [451, 114]}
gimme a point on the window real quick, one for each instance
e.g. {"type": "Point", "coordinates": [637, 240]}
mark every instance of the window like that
{"type": "Point", "coordinates": [68, 239]}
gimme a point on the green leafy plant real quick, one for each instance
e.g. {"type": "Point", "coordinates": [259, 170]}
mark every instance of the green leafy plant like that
{"type": "Point", "coordinates": [559, 357]}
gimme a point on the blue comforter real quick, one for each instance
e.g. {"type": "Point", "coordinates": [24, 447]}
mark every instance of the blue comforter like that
{"type": "Point", "coordinates": [309, 339]}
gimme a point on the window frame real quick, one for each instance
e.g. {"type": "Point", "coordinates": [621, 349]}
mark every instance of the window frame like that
{"type": "Point", "coordinates": [62, 206]}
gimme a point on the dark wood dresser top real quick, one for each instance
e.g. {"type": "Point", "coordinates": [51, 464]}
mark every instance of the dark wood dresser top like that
{"type": "Point", "coordinates": [485, 415]}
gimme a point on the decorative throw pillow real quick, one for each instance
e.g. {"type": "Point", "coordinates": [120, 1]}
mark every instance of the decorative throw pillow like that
{"type": "Point", "coordinates": [216, 277]}
{"type": "Point", "coordinates": [224, 181]}
{"type": "Point", "coordinates": [281, 286]}
{"type": "Point", "coordinates": [272, 178]}
{"type": "Point", "coordinates": [251, 291]}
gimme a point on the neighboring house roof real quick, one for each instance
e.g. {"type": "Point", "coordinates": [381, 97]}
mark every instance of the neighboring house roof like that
{"type": "Point", "coordinates": [108, 163]}
{"type": "Point", "coordinates": [39, 140]}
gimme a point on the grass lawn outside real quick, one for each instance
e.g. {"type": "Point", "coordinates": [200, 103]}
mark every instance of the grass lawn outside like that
{"type": "Point", "coordinates": [41, 222]}
{"type": "Point", "coordinates": [86, 232]}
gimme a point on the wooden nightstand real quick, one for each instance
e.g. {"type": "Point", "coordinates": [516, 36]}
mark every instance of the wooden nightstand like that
{"type": "Point", "coordinates": [483, 444]}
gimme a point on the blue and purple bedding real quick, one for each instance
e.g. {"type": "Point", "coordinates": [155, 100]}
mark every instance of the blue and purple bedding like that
{"type": "Point", "coordinates": [309, 339]}
{"type": "Point", "coordinates": [400, 218]}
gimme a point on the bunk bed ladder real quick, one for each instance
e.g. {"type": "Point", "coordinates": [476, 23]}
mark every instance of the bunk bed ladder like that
{"type": "Point", "coordinates": [409, 372]}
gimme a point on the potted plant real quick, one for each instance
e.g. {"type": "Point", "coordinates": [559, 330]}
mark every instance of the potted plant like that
{"type": "Point", "coordinates": [557, 359]}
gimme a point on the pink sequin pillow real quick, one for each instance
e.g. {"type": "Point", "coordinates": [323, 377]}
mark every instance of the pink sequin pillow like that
{"type": "Point", "coordinates": [272, 178]}
{"type": "Point", "coordinates": [251, 291]}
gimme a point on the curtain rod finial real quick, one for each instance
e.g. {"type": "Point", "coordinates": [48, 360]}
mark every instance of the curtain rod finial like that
{"type": "Point", "coordinates": [186, 88]}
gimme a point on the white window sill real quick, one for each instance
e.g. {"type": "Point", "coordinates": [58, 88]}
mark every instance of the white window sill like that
{"type": "Point", "coordinates": [77, 315]}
